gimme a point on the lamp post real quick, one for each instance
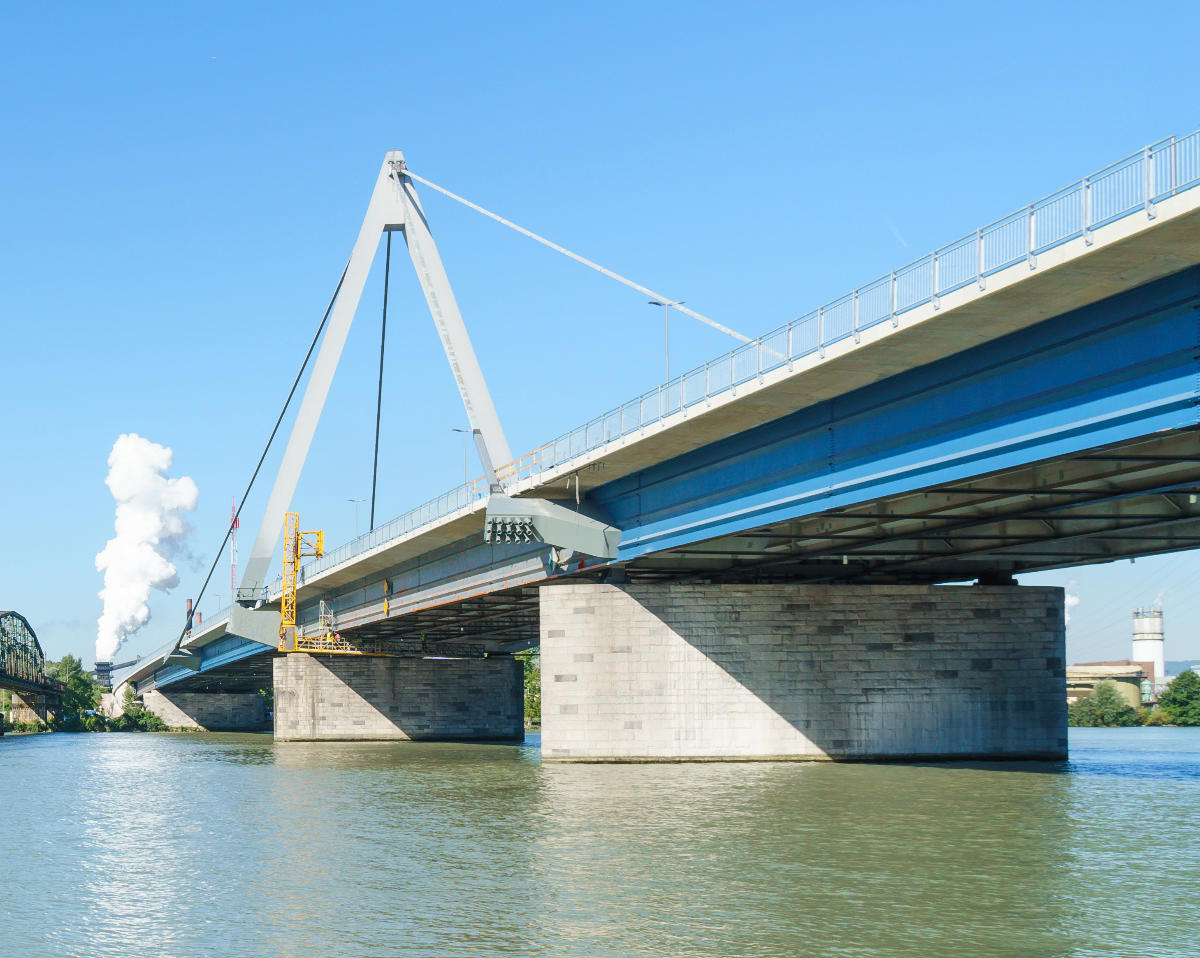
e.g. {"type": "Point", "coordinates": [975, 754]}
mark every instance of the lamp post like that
{"type": "Point", "coordinates": [465, 433]}
{"type": "Point", "coordinates": [356, 502]}
{"type": "Point", "coordinates": [667, 327]}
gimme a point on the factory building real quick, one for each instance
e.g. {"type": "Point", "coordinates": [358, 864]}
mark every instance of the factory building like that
{"type": "Point", "coordinates": [1139, 678]}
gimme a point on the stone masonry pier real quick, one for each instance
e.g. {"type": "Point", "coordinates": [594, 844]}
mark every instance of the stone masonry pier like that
{"type": "Point", "coordinates": [353, 697]}
{"type": "Point", "coordinates": [209, 711]}
{"type": "Point", "coordinates": [684, 672]}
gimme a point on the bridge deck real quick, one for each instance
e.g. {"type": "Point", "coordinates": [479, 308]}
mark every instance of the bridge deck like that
{"type": "Point", "coordinates": [985, 516]}
{"type": "Point", "coordinates": [1123, 255]}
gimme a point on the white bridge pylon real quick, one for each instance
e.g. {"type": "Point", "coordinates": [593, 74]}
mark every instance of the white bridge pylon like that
{"type": "Point", "coordinates": [394, 206]}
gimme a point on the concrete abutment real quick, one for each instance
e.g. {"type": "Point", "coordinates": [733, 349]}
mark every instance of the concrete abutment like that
{"type": "Point", "coordinates": [688, 672]}
{"type": "Point", "coordinates": [372, 697]}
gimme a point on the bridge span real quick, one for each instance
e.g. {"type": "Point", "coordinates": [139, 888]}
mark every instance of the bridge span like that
{"type": "Point", "coordinates": [36, 698]}
{"type": "Point", "coordinates": [790, 513]}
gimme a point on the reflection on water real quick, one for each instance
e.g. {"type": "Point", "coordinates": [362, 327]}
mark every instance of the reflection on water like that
{"type": "Point", "coordinates": [235, 845]}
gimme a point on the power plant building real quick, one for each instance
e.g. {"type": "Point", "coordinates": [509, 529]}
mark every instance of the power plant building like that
{"type": "Point", "coordinates": [1140, 678]}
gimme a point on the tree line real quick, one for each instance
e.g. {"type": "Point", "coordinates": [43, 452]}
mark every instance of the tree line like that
{"type": "Point", "coordinates": [80, 711]}
{"type": "Point", "coordinates": [1179, 704]}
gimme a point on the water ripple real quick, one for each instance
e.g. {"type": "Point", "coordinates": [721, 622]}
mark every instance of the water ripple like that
{"type": "Point", "coordinates": [222, 845]}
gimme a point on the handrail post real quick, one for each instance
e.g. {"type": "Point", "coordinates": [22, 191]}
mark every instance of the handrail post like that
{"type": "Point", "coordinates": [1148, 181]}
{"type": "Point", "coordinates": [934, 280]}
{"type": "Point", "coordinates": [979, 250]}
{"type": "Point", "coordinates": [895, 299]}
{"type": "Point", "coordinates": [821, 331]}
{"type": "Point", "coordinates": [854, 316]}
{"type": "Point", "coordinates": [1085, 195]}
{"type": "Point", "coordinates": [1032, 236]}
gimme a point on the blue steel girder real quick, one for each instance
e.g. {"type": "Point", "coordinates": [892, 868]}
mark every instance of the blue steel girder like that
{"type": "Point", "coordinates": [445, 575]}
{"type": "Point", "coordinates": [219, 655]}
{"type": "Point", "coordinates": [1120, 369]}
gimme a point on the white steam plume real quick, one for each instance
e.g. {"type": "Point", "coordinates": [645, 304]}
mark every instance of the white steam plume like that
{"type": "Point", "coordinates": [150, 531]}
{"type": "Point", "coordinates": [1071, 600]}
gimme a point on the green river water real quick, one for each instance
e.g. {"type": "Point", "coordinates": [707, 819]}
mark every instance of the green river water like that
{"type": "Point", "coordinates": [127, 844]}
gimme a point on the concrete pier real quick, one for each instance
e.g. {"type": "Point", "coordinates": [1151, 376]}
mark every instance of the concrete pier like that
{"type": "Point", "coordinates": [32, 708]}
{"type": "Point", "coordinates": [357, 697]}
{"type": "Point", "coordinates": [682, 672]}
{"type": "Point", "coordinates": [209, 711]}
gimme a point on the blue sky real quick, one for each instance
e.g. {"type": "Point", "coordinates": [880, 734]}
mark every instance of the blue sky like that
{"type": "Point", "coordinates": [184, 183]}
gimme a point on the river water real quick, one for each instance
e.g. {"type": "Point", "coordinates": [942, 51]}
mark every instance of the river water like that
{"type": "Point", "coordinates": [174, 844]}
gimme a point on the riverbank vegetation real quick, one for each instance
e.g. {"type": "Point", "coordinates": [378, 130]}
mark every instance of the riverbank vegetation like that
{"type": "Point", "coordinates": [80, 701]}
{"type": "Point", "coordinates": [80, 706]}
{"type": "Point", "coordinates": [1179, 704]}
{"type": "Point", "coordinates": [531, 661]}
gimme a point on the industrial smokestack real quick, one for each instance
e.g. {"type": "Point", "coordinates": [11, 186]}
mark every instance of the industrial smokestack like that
{"type": "Point", "coordinates": [1148, 642]}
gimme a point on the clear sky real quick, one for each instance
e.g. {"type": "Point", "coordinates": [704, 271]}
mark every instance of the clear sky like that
{"type": "Point", "coordinates": [183, 184]}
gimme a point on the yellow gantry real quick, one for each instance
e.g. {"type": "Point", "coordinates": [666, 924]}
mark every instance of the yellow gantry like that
{"type": "Point", "coordinates": [297, 545]}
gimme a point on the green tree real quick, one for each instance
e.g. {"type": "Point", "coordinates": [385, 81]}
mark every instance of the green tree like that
{"type": "Point", "coordinates": [1103, 709]}
{"type": "Point", "coordinates": [135, 717]}
{"type": "Point", "coordinates": [531, 661]}
{"type": "Point", "coordinates": [1180, 702]}
{"type": "Point", "coordinates": [81, 695]}
{"type": "Point", "coordinates": [83, 692]}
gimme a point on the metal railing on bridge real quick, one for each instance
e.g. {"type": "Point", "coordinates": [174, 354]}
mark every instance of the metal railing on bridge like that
{"type": "Point", "coordinates": [423, 515]}
{"type": "Point", "coordinates": [1129, 186]}
{"type": "Point", "coordinates": [1132, 185]}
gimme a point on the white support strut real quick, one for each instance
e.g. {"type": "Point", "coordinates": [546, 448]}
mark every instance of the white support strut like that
{"type": "Point", "coordinates": [394, 205]}
{"type": "Point", "coordinates": [481, 414]}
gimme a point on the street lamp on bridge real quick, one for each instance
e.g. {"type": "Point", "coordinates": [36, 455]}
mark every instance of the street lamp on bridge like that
{"type": "Point", "coordinates": [666, 305]}
{"type": "Point", "coordinates": [356, 502]}
{"type": "Point", "coordinates": [465, 433]}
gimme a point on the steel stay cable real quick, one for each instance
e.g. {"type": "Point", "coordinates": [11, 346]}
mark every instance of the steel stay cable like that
{"type": "Point", "coordinates": [678, 306]}
{"type": "Point", "coordinates": [387, 272]}
{"type": "Point", "coordinates": [258, 468]}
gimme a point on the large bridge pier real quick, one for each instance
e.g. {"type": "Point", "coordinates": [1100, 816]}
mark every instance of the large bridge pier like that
{"type": "Point", "coordinates": [692, 672]}
{"type": "Point", "coordinates": [32, 708]}
{"type": "Point", "coordinates": [373, 697]}
{"type": "Point", "coordinates": [209, 711]}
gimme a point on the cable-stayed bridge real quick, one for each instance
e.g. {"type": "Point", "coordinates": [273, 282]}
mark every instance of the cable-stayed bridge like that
{"type": "Point", "coordinates": [746, 561]}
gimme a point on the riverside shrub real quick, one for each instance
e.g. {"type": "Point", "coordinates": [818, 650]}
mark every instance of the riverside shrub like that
{"type": "Point", "coordinates": [1103, 709]}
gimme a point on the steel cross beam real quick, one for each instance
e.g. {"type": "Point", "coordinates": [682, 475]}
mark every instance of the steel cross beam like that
{"type": "Point", "coordinates": [393, 206]}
